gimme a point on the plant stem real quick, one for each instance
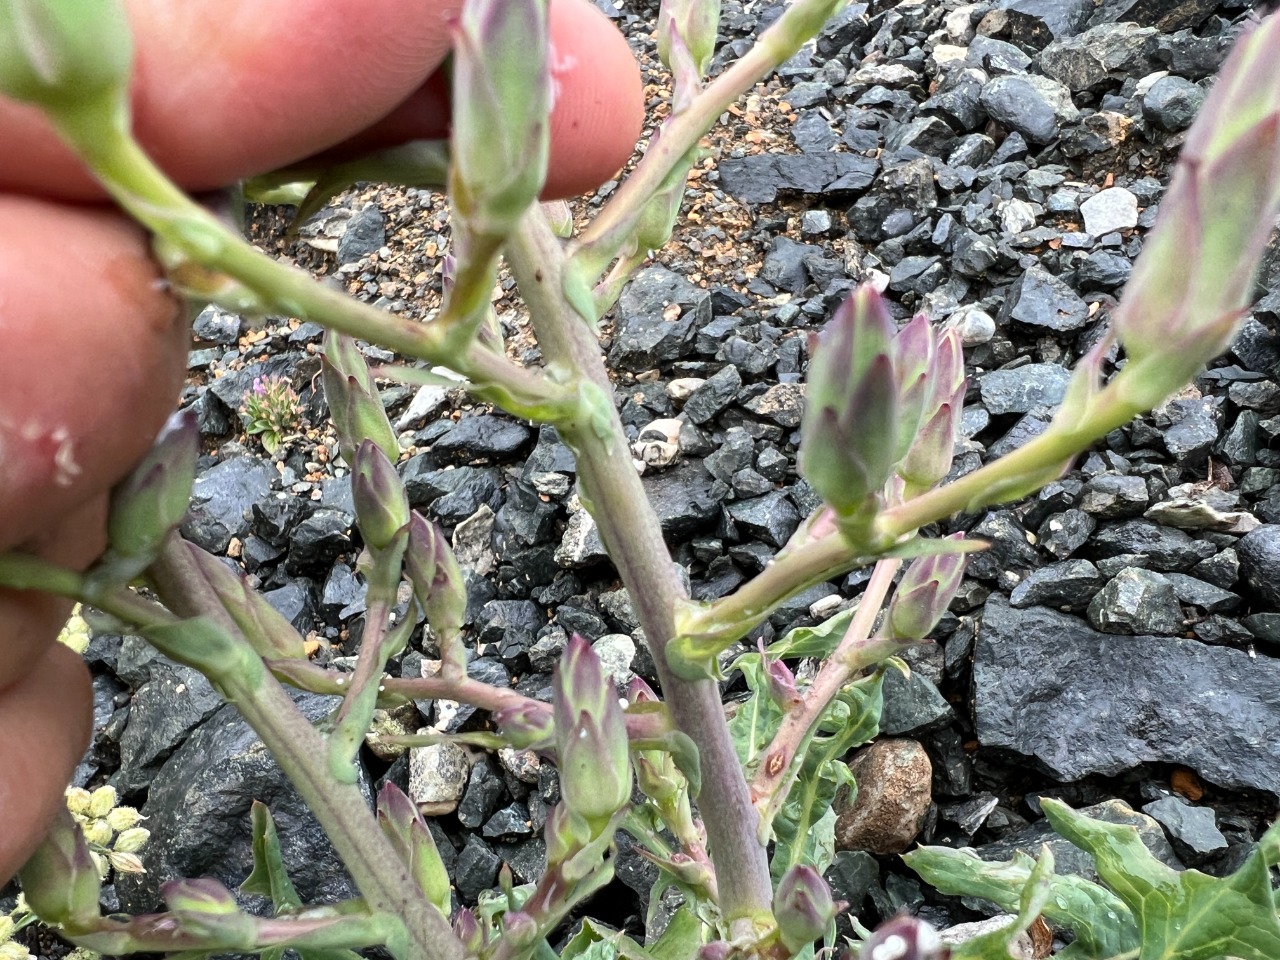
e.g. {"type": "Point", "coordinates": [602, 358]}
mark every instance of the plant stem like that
{"type": "Point", "coordinates": [610, 489]}
{"type": "Point", "coordinates": [780, 763]}
{"type": "Point", "coordinates": [602, 240]}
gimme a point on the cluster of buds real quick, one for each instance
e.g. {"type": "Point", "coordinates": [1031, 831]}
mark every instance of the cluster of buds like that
{"type": "Point", "coordinates": [924, 593]}
{"type": "Point", "coordinates": [272, 411]}
{"type": "Point", "coordinates": [1191, 286]}
{"type": "Point", "coordinates": [111, 830]}
{"type": "Point", "coordinates": [882, 409]}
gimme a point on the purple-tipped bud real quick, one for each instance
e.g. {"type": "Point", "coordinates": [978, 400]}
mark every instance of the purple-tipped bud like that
{"type": "Point", "coordinates": [905, 938]}
{"type": "Point", "coordinates": [521, 928]}
{"type": "Point", "coordinates": [1195, 277]}
{"type": "Point", "coordinates": [153, 499]}
{"type": "Point", "coordinates": [913, 355]}
{"type": "Point", "coordinates": [501, 112]}
{"type": "Point", "coordinates": [566, 833]}
{"type": "Point", "coordinates": [803, 907]}
{"type": "Point", "coordinates": [657, 778]}
{"type": "Point", "coordinates": [403, 824]}
{"type": "Point", "coordinates": [924, 593]}
{"type": "Point", "coordinates": [467, 929]}
{"type": "Point", "coordinates": [437, 583]}
{"type": "Point", "coordinates": [928, 458]}
{"type": "Point", "coordinates": [638, 691]}
{"type": "Point", "coordinates": [779, 680]}
{"type": "Point", "coordinates": [849, 436]}
{"type": "Point", "coordinates": [62, 54]}
{"type": "Point", "coordinates": [715, 950]}
{"type": "Point", "coordinates": [382, 506]}
{"type": "Point", "coordinates": [60, 880]}
{"type": "Point", "coordinates": [591, 736]}
{"type": "Point", "coordinates": [559, 218]}
{"type": "Point", "coordinates": [354, 404]}
{"type": "Point", "coordinates": [694, 24]}
{"type": "Point", "coordinates": [205, 908]}
{"type": "Point", "coordinates": [526, 726]}
{"type": "Point", "coordinates": [264, 627]}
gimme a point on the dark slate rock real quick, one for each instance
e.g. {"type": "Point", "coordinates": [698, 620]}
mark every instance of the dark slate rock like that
{"type": "Point", "coordinates": [316, 542]}
{"type": "Point", "coordinates": [1165, 15]}
{"type": "Point", "coordinates": [1010, 551]}
{"type": "Point", "coordinates": [1107, 52]}
{"type": "Point", "coordinates": [1137, 601]}
{"type": "Point", "coordinates": [683, 498]}
{"type": "Point", "coordinates": [1172, 103]}
{"type": "Point", "coordinates": [734, 454]}
{"type": "Point", "coordinates": [1040, 676]}
{"type": "Point", "coordinates": [956, 99]}
{"type": "Point", "coordinates": [1064, 586]}
{"type": "Point", "coordinates": [343, 595]}
{"type": "Point", "coordinates": [510, 823]}
{"type": "Point", "coordinates": [221, 499]}
{"type": "Point", "coordinates": [997, 56]}
{"type": "Point", "coordinates": [782, 403]}
{"type": "Point", "coordinates": [1102, 270]}
{"type": "Point", "coordinates": [1034, 106]}
{"type": "Point", "coordinates": [812, 133]}
{"type": "Point", "coordinates": [198, 815]}
{"type": "Point", "coordinates": [973, 254]}
{"type": "Point", "coordinates": [1193, 830]}
{"type": "Point", "coordinates": [1259, 552]}
{"type": "Point", "coordinates": [786, 265]}
{"type": "Point", "coordinates": [1031, 24]}
{"type": "Point", "coordinates": [550, 455]}
{"type": "Point", "coordinates": [296, 602]}
{"type": "Point", "coordinates": [1071, 859]}
{"type": "Point", "coordinates": [484, 437]}
{"type": "Point", "coordinates": [716, 393]}
{"type": "Point", "coordinates": [773, 518]}
{"type": "Point", "coordinates": [1192, 437]}
{"type": "Point", "coordinates": [217, 325]}
{"type": "Point", "coordinates": [476, 869]}
{"type": "Point", "coordinates": [1206, 596]}
{"type": "Point", "coordinates": [912, 706]}
{"type": "Point", "coordinates": [1111, 496]}
{"type": "Point", "coordinates": [365, 233]}
{"type": "Point", "coordinates": [162, 712]}
{"type": "Point", "coordinates": [644, 338]}
{"type": "Point", "coordinates": [929, 135]}
{"type": "Point", "coordinates": [1039, 299]}
{"type": "Point", "coordinates": [760, 178]}
{"type": "Point", "coordinates": [1022, 388]}
{"type": "Point", "coordinates": [1159, 548]}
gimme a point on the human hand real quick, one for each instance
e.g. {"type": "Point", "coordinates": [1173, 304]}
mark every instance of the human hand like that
{"type": "Point", "coordinates": [93, 348]}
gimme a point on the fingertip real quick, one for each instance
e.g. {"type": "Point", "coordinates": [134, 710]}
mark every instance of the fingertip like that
{"type": "Point", "coordinates": [599, 106]}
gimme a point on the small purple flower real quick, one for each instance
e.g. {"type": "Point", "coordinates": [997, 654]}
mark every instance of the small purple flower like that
{"type": "Point", "coordinates": [259, 388]}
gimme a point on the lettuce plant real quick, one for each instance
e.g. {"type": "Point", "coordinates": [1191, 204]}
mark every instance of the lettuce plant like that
{"type": "Point", "coordinates": [736, 813]}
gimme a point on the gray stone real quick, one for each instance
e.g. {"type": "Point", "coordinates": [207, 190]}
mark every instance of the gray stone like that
{"type": "Point", "coordinates": [1064, 586]}
{"type": "Point", "coordinates": [1039, 299]}
{"type": "Point", "coordinates": [773, 518]}
{"type": "Point", "coordinates": [1193, 830]}
{"type": "Point", "coordinates": [783, 403]}
{"type": "Point", "coordinates": [1110, 210]}
{"type": "Point", "coordinates": [1165, 15]}
{"type": "Point", "coordinates": [217, 325]}
{"type": "Point", "coordinates": [1032, 105]}
{"type": "Point", "coordinates": [1102, 270]}
{"type": "Point", "coordinates": [1206, 596]}
{"type": "Point", "coordinates": [1111, 496]}
{"type": "Point", "coordinates": [221, 499]}
{"type": "Point", "coordinates": [365, 233]}
{"type": "Point", "coordinates": [198, 813]}
{"type": "Point", "coordinates": [1062, 534]}
{"type": "Point", "coordinates": [658, 314]}
{"type": "Point", "coordinates": [1137, 601]}
{"type": "Point", "coordinates": [1259, 553]}
{"type": "Point", "coordinates": [174, 700]}
{"type": "Point", "coordinates": [483, 437]}
{"type": "Point", "coordinates": [1158, 548]}
{"type": "Point", "coordinates": [437, 777]}
{"type": "Point", "coordinates": [1172, 103]}
{"type": "Point", "coordinates": [1020, 389]}
{"type": "Point", "coordinates": [912, 706]}
{"type": "Point", "coordinates": [616, 652]}
{"type": "Point", "coordinates": [1080, 702]}
{"type": "Point", "coordinates": [1034, 23]}
{"type": "Point", "coordinates": [760, 178]}
{"type": "Point", "coordinates": [1106, 53]}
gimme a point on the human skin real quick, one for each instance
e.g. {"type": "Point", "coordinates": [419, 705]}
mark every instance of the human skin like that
{"type": "Point", "coordinates": [92, 347]}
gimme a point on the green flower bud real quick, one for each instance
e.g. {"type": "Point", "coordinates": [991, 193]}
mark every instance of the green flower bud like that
{"type": "Point", "coordinates": [591, 736]}
{"type": "Point", "coordinates": [78, 800]}
{"type": "Point", "coordinates": [924, 593]}
{"type": "Point", "coordinates": [526, 726]}
{"type": "Point", "coordinates": [437, 584]}
{"type": "Point", "coordinates": [60, 880]}
{"type": "Point", "coordinates": [803, 907]}
{"type": "Point", "coordinates": [131, 840]}
{"type": "Point", "coordinates": [153, 499]}
{"type": "Point", "coordinates": [658, 780]}
{"type": "Point", "coordinates": [913, 355]}
{"type": "Point", "coordinates": [382, 506]}
{"type": "Point", "coordinates": [102, 800]}
{"type": "Point", "coordinates": [403, 824]}
{"type": "Point", "coordinates": [1189, 288]}
{"type": "Point", "coordinates": [123, 818]}
{"type": "Point", "coordinates": [501, 112]}
{"type": "Point", "coordinates": [354, 404]}
{"type": "Point", "coordinates": [59, 54]}
{"type": "Point", "coordinates": [687, 35]}
{"type": "Point", "coordinates": [98, 833]}
{"type": "Point", "coordinates": [849, 435]}
{"type": "Point", "coordinates": [263, 626]}
{"type": "Point", "coordinates": [206, 909]}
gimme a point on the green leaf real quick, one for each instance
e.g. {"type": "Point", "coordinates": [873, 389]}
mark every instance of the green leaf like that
{"type": "Point", "coordinates": [997, 944]}
{"type": "Point", "coordinates": [589, 943]}
{"type": "Point", "coordinates": [1102, 924]}
{"type": "Point", "coordinates": [682, 938]}
{"type": "Point", "coordinates": [817, 641]}
{"type": "Point", "coordinates": [1185, 915]}
{"type": "Point", "coordinates": [269, 877]}
{"type": "Point", "coordinates": [758, 717]}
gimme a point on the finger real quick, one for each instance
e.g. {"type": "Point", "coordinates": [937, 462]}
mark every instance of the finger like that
{"type": "Point", "coordinates": [45, 724]}
{"type": "Point", "coordinates": [93, 356]}
{"type": "Point", "coordinates": [596, 120]}
{"type": "Point", "coordinates": [227, 88]}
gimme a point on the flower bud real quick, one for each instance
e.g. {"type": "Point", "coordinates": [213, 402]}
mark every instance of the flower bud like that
{"type": "Point", "coordinates": [403, 824]}
{"type": "Point", "coordinates": [263, 626]}
{"type": "Point", "coordinates": [566, 833]}
{"type": "Point", "coordinates": [437, 584]}
{"type": "Point", "coordinates": [595, 770]}
{"type": "Point", "coordinates": [715, 950]}
{"type": "Point", "coordinates": [694, 24]}
{"type": "Point", "coordinates": [123, 818]}
{"type": "Point", "coordinates": [1195, 276]}
{"type": "Point", "coordinates": [467, 929]}
{"type": "Point", "coordinates": [382, 506]}
{"type": "Point", "coordinates": [125, 862]}
{"type": "Point", "coordinates": [98, 833]}
{"type": "Point", "coordinates": [60, 880]}
{"type": "Point", "coordinates": [913, 356]}
{"type": "Point", "coordinates": [102, 800]}
{"type": "Point", "coordinates": [153, 499]}
{"type": "Point", "coordinates": [354, 403]}
{"type": "Point", "coordinates": [905, 938]}
{"type": "Point", "coordinates": [59, 54]}
{"type": "Point", "coordinates": [924, 593]}
{"type": "Point", "coordinates": [780, 682]}
{"type": "Point", "coordinates": [11, 950]}
{"type": "Point", "coordinates": [657, 778]}
{"type": "Point", "coordinates": [78, 800]}
{"type": "Point", "coordinates": [501, 112]}
{"type": "Point", "coordinates": [206, 909]}
{"type": "Point", "coordinates": [131, 840]}
{"type": "Point", "coordinates": [803, 907]}
{"type": "Point", "coordinates": [526, 726]}
{"type": "Point", "coordinates": [849, 435]}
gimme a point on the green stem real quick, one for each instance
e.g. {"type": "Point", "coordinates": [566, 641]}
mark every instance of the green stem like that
{"type": "Point", "coordinates": [610, 489]}
{"type": "Point", "coordinates": [604, 238]}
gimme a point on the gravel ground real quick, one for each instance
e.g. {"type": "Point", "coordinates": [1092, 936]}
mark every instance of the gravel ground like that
{"type": "Point", "coordinates": [995, 164]}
